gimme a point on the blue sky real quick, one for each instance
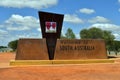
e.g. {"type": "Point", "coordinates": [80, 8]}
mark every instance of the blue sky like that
{"type": "Point", "coordinates": [19, 18]}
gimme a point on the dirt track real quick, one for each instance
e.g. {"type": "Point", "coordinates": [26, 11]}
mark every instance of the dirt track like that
{"type": "Point", "coordinates": [60, 72]}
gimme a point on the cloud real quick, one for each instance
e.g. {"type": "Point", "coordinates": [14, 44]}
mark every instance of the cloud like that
{"type": "Point", "coordinates": [99, 19]}
{"type": "Point", "coordinates": [3, 32]}
{"type": "Point", "coordinates": [18, 23]}
{"type": "Point", "coordinates": [117, 36]}
{"type": "Point", "coordinates": [111, 27]}
{"type": "Point", "coordinates": [1, 26]}
{"type": "Point", "coordinates": [9, 37]}
{"type": "Point", "coordinates": [73, 19]}
{"type": "Point", "coordinates": [87, 11]}
{"type": "Point", "coordinates": [30, 35]}
{"type": "Point", "coordinates": [39, 29]}
{"type": "Point", "coordinates": [36, 4]}
{"type": "Point", "coordinates": [18, 26]}
{"type": "Point", "coordinates": [77, 35]}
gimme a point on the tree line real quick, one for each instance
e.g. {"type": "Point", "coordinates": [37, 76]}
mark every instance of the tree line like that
{"type": "Point", "coordinates": [96, 33]}
{"type": "Point", "coordinates": [91, 33]}
{"type": "Point", "coordinates": [3, 47]}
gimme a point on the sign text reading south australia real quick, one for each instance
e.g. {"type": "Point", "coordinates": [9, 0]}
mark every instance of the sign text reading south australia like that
{"type": "Point", "coordinates": [76, 45]}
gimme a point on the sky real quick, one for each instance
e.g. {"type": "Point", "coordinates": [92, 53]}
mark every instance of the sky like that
{"type": "Point", "coordinates": [19, 18]}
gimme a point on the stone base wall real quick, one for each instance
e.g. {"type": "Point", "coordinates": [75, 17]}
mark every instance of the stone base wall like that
{"type": "Point", "coordinates": [32, 49]}
{"type": "Point", "coordinates": [80, 49]}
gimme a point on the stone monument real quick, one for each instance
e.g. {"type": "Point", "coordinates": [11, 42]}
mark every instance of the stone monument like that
{"type": "Point", "coordinates": [51, 25]}
{"type": "Point", "coordinates": [52, 47]}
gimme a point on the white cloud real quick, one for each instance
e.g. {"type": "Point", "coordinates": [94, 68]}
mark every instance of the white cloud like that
{"type": "Point", "coordinates": [4, 39]}
{"type": "Point", "coordinates": [77, 35]}
{"type": "Point", "coordinates": [36, 4]}
{"type": "Point", "coordinates": [111, 27]}
{"type": "Point", "coordinates": [18, 26]}
{"type": "Point", "coordinates": [3, 32]}
{"type": "Point", "coordinates": [31, 35]}
{"type": "Point", "coordinates": [117, 36]}
{"type": "Point", "coordinates": [39, 29]}
{"type": "Point", "coordinates": [63, 30]}
{"type": "Point", "coordinates": [99, 19]}
{"type": "Point", "coordinates": [87, 11]}
{"type": "Point", "coordinates": [18, 23]}
{"type": "Point", "coordinates": [73, 19]}
{"type": "Point", "coordinates": [1, 26]}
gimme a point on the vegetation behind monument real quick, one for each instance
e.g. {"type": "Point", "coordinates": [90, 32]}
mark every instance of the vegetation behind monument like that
{"type": "Point", "coordinates": [13, 44]}
{"type": "Point", "coordinates": [69, 34]}
{"type": "Point", "coordinates": [92, 33]}
{"type": "Point", "coordinates": [97, 33]}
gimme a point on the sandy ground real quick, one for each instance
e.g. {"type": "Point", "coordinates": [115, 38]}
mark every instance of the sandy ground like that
{"type": "Point", "coordinates": [5, 59]}
{"type": "Point", "coordinates": [109, 71]}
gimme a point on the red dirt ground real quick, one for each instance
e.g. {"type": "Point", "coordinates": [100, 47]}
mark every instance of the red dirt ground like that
{"type": "Point", "coordinates": [5, 59]}
{"type": "Point", "coordinates": [110, 71]}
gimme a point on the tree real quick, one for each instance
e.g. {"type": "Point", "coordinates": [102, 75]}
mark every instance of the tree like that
{"type": "Point", "coordinates": [84, 34]}
{"type": "Point", "coordinates": [3, 47]}
{"type": "Point", "coordinates": [13, 44]}
{"type": "Point", "coordinates": [92, 33]}
{"type": "Point", "coordinates": [69, 34]}
{"type": "Point", "coordinates": [109, 39]}
{"type": "Point", "coordinates": [116, 47]}
{"type": "Point", "coordinates": [108, 36]}
{"type": "Point", "coordinates": [97, 33]}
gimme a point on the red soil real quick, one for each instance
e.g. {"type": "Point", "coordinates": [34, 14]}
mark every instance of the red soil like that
{"type": "Point", "coordinates": [59, 72]}
{"type": "Point", "coordinates": [5, 59]}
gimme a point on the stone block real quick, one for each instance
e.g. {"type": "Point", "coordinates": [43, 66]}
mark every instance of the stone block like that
{"type": "Point", "coordinates": [32, 49]}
